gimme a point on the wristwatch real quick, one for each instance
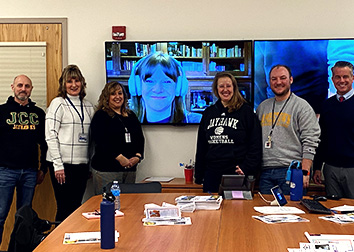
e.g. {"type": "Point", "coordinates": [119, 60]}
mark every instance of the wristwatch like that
{"type": "Point", "coordinates": [140, 158]}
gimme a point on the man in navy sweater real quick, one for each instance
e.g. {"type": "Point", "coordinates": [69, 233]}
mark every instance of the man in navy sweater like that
{"type": "Point", "coordinates": [336, 148]}
{"type": "Point", "coordinates": [21, 131]}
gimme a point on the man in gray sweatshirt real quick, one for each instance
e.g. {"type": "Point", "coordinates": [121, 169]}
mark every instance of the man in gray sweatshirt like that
{"type": "Point", "coordinates": [290, 131]}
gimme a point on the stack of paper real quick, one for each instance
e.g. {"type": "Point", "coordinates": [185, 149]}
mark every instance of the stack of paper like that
{"type": "Point", "coordinates": [311, 247]}
{"type": "Point", "coordinates": [278, 210]}
{"type": "Point", "coordinates": [326, 242]}
{"type": "Point", "coordinates": [166, 214]}
{"type": "Point", "coordinates": [331, 242]}
{"type": "Point", "coordinates": [343, 209]}
{"type": "Point", "coordinates": [186, 203]}
{"type": "Point", "coordinates": [339, 218]}
{"type": "Point", "coordinates": [280, 218]}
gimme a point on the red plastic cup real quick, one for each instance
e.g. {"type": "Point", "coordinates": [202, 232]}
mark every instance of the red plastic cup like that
{"type": "Point", "coordinates": [188, 175]}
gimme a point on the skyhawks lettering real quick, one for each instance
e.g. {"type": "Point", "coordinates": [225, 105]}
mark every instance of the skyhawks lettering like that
{"type": "Point", "coordinates": [218, 137]}
{"type": "Point", "coordinates": [222, 121]}
{"type": "Point", "coordinates": [220, 140]}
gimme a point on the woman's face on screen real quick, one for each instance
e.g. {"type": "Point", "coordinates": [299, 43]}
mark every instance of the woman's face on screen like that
{"type": "Point", "coordinates": [158, 91]}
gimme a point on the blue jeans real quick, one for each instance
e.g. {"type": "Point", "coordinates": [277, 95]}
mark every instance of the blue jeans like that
{"type": "Point", "coordinates": [25, 182]}
{"type": "Point", "coordinates": [272, 177]}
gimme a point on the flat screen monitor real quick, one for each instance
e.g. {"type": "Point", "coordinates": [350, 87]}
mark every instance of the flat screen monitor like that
{"type": "Point", "coordinates": [233, 182]}
{"type": "Point", "coordinates": [169, 82]}
{"type": "Point", "coordinates": [236, 186]}
{"type": "Point", "coordinates": [310, 61]}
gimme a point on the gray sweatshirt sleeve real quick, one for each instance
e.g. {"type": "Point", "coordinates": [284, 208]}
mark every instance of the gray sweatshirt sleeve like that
{"type": "Point", "coordinates": [309, 130]}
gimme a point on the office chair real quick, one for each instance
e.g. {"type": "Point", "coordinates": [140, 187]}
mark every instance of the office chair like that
{"type": "Point", "coordinates": [151, 187]}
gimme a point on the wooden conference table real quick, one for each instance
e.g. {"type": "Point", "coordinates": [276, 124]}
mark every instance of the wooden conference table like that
{"type": "Point", "coordinates": [230, 229]}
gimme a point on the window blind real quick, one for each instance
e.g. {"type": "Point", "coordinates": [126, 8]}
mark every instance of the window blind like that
{"type": "Point", "coordinates": [27, 58]}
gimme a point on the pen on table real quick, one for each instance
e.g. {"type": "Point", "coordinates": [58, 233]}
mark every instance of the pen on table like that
{"type": "Point", "coordinates": [212, 196]}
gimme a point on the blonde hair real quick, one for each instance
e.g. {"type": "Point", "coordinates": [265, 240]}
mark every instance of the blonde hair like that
{"type": "Point", "coordinates": [236, 100]}
{"type": "Point", "coordinates": [71, 72]}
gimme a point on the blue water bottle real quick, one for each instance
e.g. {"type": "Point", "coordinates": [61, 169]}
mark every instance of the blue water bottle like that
{"type": "Point", "coordinates": [296, 180]}
{"type": "Point", "coordinates": [107, 222]}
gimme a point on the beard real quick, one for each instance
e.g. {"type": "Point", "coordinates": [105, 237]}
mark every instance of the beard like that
{"type": "Point", "coordinates": [22, 97]}
{"type": "Point", "coordinates": [281, 93]}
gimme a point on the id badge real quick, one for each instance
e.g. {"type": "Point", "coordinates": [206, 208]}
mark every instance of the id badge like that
{"type": "Point", "coordinates": [83, 138]}
{"type": "Point", "coordinates": [127, 138]}
{"type": "Point", "coordinates": [268, 144]}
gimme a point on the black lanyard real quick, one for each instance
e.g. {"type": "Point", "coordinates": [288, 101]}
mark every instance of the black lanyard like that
{"type": "Point", "coordinates": [82, 117]}
{"type": "Point", "coordinates": [276, 119]}
{"type": "Point", "coordinates": [125, 128]}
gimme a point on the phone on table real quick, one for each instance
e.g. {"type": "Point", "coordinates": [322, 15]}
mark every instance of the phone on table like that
{"type": "Point", "coordinates": [278, 195]}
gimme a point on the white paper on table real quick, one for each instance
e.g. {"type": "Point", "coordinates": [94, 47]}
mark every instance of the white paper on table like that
{"type": "Point", "coordinates": [85, 237]}
{"type": "Point", "coordinates": [278, 210]}
{"type": "Point", "coordinates": [165, 204]}
{"type": "Point", "coordinates": [279, 218]}
{"type": "Point", "coordinates": [339, 218]}
{"type": "Point", "coordinates": [159, 179]}
{"type": "Point", "coordinates": [167, 222]}
{"type": "Point", "coordinates": [342, 243]}
{"type": "Point", "coordinates": [159, 212]}
{"type": "Point", "coordinates": [344, 208]}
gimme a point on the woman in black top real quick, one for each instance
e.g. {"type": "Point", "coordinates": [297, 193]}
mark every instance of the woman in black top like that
{"type": "Point", "coordinates": [117, 137]}
{"type": "Point", "coordinates": [229, 136]}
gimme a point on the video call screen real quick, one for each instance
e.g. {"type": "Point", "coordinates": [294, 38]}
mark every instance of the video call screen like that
{"type": "Point", "coordinates": [170, 82]}
{"type": "Point", "coordinates": [310, 62]}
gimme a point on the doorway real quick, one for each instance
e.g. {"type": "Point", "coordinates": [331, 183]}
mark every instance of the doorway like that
{"type": "Point", "coordinates": [54, 33]}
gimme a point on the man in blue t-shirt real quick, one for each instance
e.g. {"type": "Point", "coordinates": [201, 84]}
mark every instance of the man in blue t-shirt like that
{"type": "Point", "coordinates": [336, 148]}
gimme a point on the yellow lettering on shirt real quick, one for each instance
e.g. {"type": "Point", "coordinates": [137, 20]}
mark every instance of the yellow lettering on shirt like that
{"type": "Point", "coordinates": [283, 120]}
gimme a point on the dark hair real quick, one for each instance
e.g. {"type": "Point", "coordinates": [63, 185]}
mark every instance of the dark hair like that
{"type": "Point", "coordinates": [103, 101]}
{"type": "Point", "coordinates": [280, 65]}
{"type": "Point", "coordinates": [343, 64]}
{"type": "Point", "coordinates": [71, 72]}
{"type": "Point", "coordinates": [236, 100]}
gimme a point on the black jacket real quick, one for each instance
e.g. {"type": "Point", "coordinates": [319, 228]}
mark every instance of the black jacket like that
{"type": "Point", "coordinates": [229, 139]}
{"type": "Point", "coordinates": [21, 131]}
